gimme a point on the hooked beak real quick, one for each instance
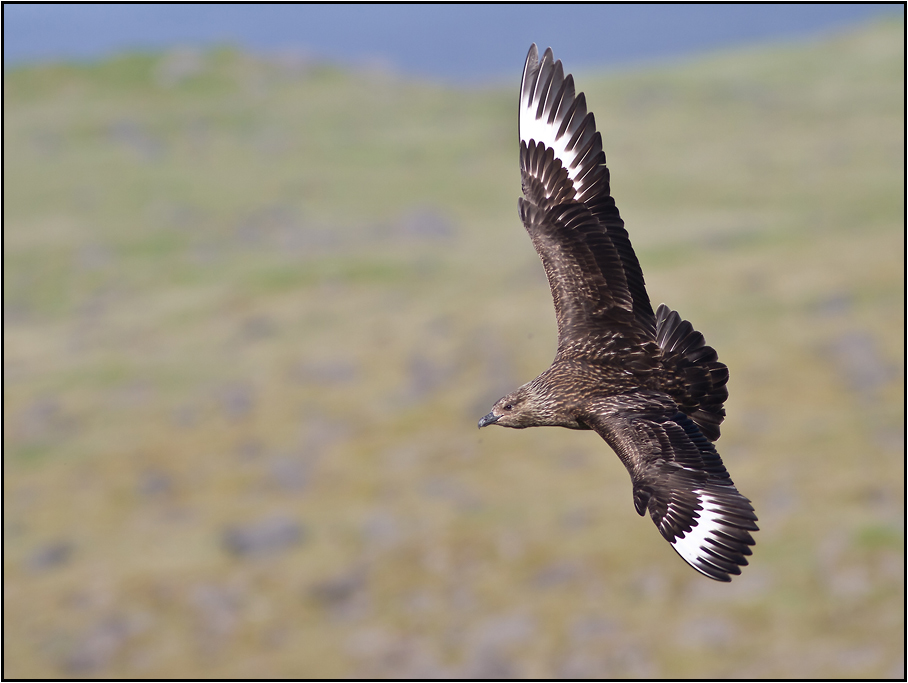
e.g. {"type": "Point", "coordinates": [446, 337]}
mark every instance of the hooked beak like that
{"type": "Point", "coordinates": [489, 419]}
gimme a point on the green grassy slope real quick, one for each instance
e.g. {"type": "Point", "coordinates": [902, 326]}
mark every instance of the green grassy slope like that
{"type": "Point", "coordinates": [252, 312]}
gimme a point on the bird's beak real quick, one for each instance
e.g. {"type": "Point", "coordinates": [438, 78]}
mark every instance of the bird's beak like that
{"type": "Point", "coordinates": [489, 419]}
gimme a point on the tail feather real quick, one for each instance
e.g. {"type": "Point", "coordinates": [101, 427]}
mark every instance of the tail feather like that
{"type": "Point", "coordinates": [700, 379]}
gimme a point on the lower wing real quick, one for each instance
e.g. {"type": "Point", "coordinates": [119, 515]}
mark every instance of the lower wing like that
{"type": "Point", "coordinates": [679, 478]}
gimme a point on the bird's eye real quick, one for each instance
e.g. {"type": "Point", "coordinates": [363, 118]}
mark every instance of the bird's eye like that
{"type": "Point", "coordinates": [508, 407]}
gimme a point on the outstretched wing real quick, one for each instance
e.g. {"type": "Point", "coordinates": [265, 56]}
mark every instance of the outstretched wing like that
{"type": "Point", "coordinates": [679, 478]}
{"type": "Point", "coordinates": [596, 280]}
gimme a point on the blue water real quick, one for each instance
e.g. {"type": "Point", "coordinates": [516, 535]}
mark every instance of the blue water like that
{"type": "Point", "coordinates": [461, 43]}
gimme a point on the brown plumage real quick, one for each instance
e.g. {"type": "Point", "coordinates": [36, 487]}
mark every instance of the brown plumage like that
{"type": "Point", "coordinates": [646, 383]}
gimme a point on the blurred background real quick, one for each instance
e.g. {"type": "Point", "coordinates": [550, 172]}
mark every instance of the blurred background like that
{"type": "Point", "coordinates": [263, 272]}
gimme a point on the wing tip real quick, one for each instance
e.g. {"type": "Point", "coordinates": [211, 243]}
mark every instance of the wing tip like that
{"type": "Point", "coordinates": [718, 544]}
{"type": "Point", "coordinates": [530, 66]}
{"type": "Point", "coordinates": [533, 53]}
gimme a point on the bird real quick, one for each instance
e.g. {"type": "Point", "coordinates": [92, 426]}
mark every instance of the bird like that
{"type": "Point", "coordinates": [645, 382]}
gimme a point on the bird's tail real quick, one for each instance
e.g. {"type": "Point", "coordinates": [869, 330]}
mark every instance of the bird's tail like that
{"type": "Point", "coordinates": [698, 379]}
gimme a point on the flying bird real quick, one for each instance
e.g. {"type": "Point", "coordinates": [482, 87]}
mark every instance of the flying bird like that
{"type": "Point", "coordinates": [646, 382]}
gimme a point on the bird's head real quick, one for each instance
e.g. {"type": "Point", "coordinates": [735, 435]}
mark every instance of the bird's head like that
{"type": "Point", "coordinates": [518, 409]}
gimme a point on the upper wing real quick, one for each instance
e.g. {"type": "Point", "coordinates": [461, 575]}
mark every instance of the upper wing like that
{"type": "Point", "coordinates": [594, 274]}
{"type": "Point", "coordinates": [679, 477]}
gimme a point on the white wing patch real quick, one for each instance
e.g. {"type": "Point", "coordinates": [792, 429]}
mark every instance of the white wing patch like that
{"type": "Point", "coordinates": [533, 93]}
{"type": "Point", "coordinates": [540, 130]}
{"type": "Point", "coordinates": [711, 519]}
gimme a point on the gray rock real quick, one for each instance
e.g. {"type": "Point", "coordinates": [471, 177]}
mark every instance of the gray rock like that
{"type": "Point", "coordinates": [427, 222]}
{"type": "Point", "coordinates": [381, 529]}
{"type": "Point", "coordinates": [289, 473]}
{"type": "Point", "coordinates": [101, 642]}
{"type": "Point", "coordinates": [558, 574]}
{"type": "Point", "coordinates": [236, 400]}
{"type": "Point", "coordinates": [266, 537]}
{"type": "Point", "coordinates": [50, 555]}
{"type": "Point", "coordinates": [340, 588]}
{"type": "Point", "coordinates": [44, 419]}
{"type": "Point", "coordinates": [257, 327]}
{"type": "Point", "coordinates": [154, 483]}
{"type": "Point", "coordinates": [592, 629]}
{"type": "Point", "coordinates": [327, 374]}
{"type": "Point", "coordinates": [344, 595]}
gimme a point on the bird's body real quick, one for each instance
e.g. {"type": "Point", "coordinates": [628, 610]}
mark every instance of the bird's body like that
{"type": "Point", "coordinates": [645, 382]}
